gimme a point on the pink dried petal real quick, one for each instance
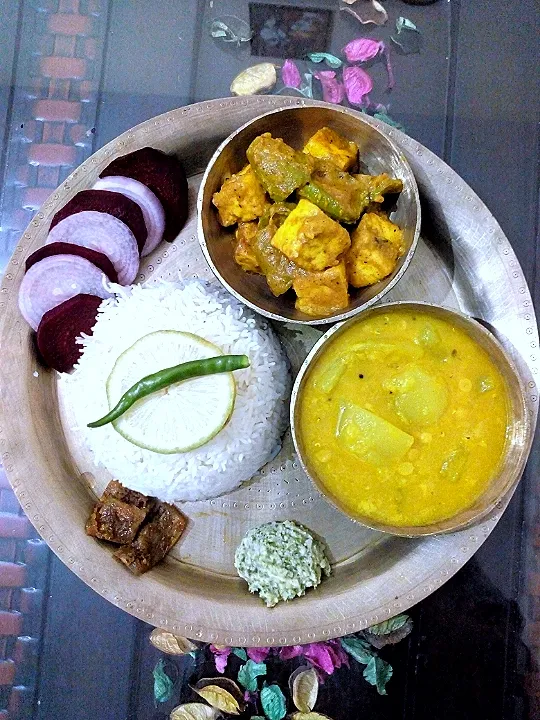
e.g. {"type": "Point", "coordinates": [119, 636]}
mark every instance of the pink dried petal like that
{"type": "Point", "coordinates": [258, 654]}
{"type": "Point", "coordinates": [333, 90]}
{"type": "Point", "coordinates": [338, 654]}
{"type": "Point", "coordinates": [292, 651]}
{"type": "Point", "coordinates": [362, 49]}
{"type": "Point", "coordinates": [290, 74]}
{"type": "Point", "coordinates": [318, 655]}
{"type": "Point", "coordinates": [357, 84]}
{"type": "Point", "coordinates": [221, 656]}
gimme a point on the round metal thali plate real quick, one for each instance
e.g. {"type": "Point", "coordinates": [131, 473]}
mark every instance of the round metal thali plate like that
{"type": "Point", "coordinates": [463, 261]}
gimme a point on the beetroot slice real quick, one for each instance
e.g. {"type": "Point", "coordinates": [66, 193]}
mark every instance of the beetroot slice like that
{"type": "Point", "coordinates": [113, 203]}
{"type": "Point", "coordinates": [166, 178]}
{"type": "Point", "coordinates": [61, 248]}
{"type": "Point", "coordinates": [60, 327]}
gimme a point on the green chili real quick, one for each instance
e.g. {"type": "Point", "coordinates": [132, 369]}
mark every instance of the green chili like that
{"type": "Point", "coordinates": [163, 378]}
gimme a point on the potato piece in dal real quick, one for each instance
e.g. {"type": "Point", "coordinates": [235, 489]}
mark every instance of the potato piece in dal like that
{"type": "Point", "coordinates": [241, 198]}
{"type": "Point", "coordinates": [322, 293]}
{"type": "Point", "coordinates": [327, 144]}
{"type": "Point", "coordinates": [310, 238]}
{"type": "Point", "coordinates": [244, 254]}
{"type": "Point", "coordinates": [376, 246]}
{"type": "Point", "coordinates": [279, 168]}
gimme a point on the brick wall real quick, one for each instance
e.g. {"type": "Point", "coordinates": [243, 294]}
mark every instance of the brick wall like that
{"type": "Point", "coordinates": [54, 108]}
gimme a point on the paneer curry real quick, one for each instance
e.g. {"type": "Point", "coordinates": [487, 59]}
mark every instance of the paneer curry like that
{"type": "Point", "coordinates": [403, 418]}
{"type": "Point", "coordinates": [308, 223]}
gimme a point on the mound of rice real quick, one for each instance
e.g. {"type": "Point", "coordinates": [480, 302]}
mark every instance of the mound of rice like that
{"type": "Point", "coordinates": [251, 437]}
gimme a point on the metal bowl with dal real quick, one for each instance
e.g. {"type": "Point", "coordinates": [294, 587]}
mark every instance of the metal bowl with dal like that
{"type": "Point", "coordinates": [378, 154]}
{"type": "Point", "coordinates": [518, 435]}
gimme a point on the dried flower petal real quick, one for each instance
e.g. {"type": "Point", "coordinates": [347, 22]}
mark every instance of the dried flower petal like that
{"type": "Point", "coordinates": [171, 644]}
{"type": "Point", "coordinates": [219, 698]}
{"type": "Point", "coordinates": [369, 12]}
{"type": "Point", "coordinates": [254, 79]}
{"type": "Point", "coordinates": [304, 688]}
{"type": "Point", "coordinates": [389, 631]}
{"type": "Point", "coordinates": [388, 120]}
{"type": "Point", "coordinates": [358, 84]}
{"type": "Point", "coordinates": [194, 711]}
{"type": "Point", "coordinates": [221, 656]}
{"type": "Point", "coordinates": [333, 90]}
{"type": "Point", "coordinates": [331, 60]}
{"type": "Point", "coordinates": [231, 29]}
{"type": "Point", "coordinates": [273, 702]}
{"type": "Point", "coordinates": [290, 74]}
{"type": "Point", "coordinates": [407, 37]}
{"type": "Point", "coordinates": [163, 685]}
{"type": "Point", "coordinates": [362, 49]}
{"type": "Point", "coordinates": [258, 654]}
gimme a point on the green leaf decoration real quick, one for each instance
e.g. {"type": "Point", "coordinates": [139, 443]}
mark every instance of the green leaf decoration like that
{"type": "Point", "coordinates": [331, 60]}
{"type": "Point", "coordinates": [241, 653]}
{"type": "Point", "coordinates": [273, 702]}
{"type": "Point", "coordinates": [388, 626]}
{"type": "Point", "coordinates": [163, 685]}
{"type": "Point", "coordinates": [378, 672]}
{"type": "Point", "coordinates": [388, 120]}
{"type": "Point", "coordinates": [403, 23]}
{"type": "Point", "coordinates": [359, 649]}
{"type": "Point", "coordinates": [248, 674]}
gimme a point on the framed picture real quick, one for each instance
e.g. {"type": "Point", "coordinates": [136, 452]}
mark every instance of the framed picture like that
{"type": "Point", "coordinates": [289, 31]}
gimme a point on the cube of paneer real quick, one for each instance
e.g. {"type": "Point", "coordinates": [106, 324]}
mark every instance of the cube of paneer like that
{"type": "Point", "coordinates": [377, 186]}
{"type": "Point", "coordinates": [241, 198]}
{"type": "Point", "coordinates": [310, 238]}
{"type": "Point", "coordinates": [376, 246]}
{"type": "Point", "coordinates": [327, 144]}
{"type": "Point", "coordinates": [322, 293]}
{"type": "Point", "coordinates": [244, 254]}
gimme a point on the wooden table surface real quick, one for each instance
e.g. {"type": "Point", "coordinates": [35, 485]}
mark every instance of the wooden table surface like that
{"type": "Point", "coordinates": [76, 73]}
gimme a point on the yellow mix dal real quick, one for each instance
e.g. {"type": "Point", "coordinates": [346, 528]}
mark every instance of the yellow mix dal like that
{"type": "Point", "coordinates": [404, 418]}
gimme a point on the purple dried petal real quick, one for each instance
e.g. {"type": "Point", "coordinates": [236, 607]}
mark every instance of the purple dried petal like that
{"type": "Point", "coordinates": [291, 651]}
{"type": "Point", "coordinates": [357, 84]}
{"type": "Point", "coordinates": [318, 655]}
{"type": "Point", "coordinates": [290, 74]}
{"type": "Point", "coordinates": [333, 90]}
{"type": "Point", "coordinates": [362, 49]}
{"type": "Point", "coordinates": [221, 656]}
{"type": "Point", "coordinates": [338, 654]}
{"type": "Point", "coordinates": [258, 654]}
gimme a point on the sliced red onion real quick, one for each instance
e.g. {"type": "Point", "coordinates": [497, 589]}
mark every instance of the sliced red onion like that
{"type": "Point", "coordinates": [152, 209]}
{"type": "Point", "coordinates": [104, 233]}
{"type": "Point", "coordinates": [54, 280]}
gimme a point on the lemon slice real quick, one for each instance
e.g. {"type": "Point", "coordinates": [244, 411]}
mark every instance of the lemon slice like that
{"type": "Point", "coordinates": [184, 415]}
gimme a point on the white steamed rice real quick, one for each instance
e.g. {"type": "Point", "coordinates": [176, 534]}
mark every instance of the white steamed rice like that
{"type": "Point", "coordinates": [252, 435]}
